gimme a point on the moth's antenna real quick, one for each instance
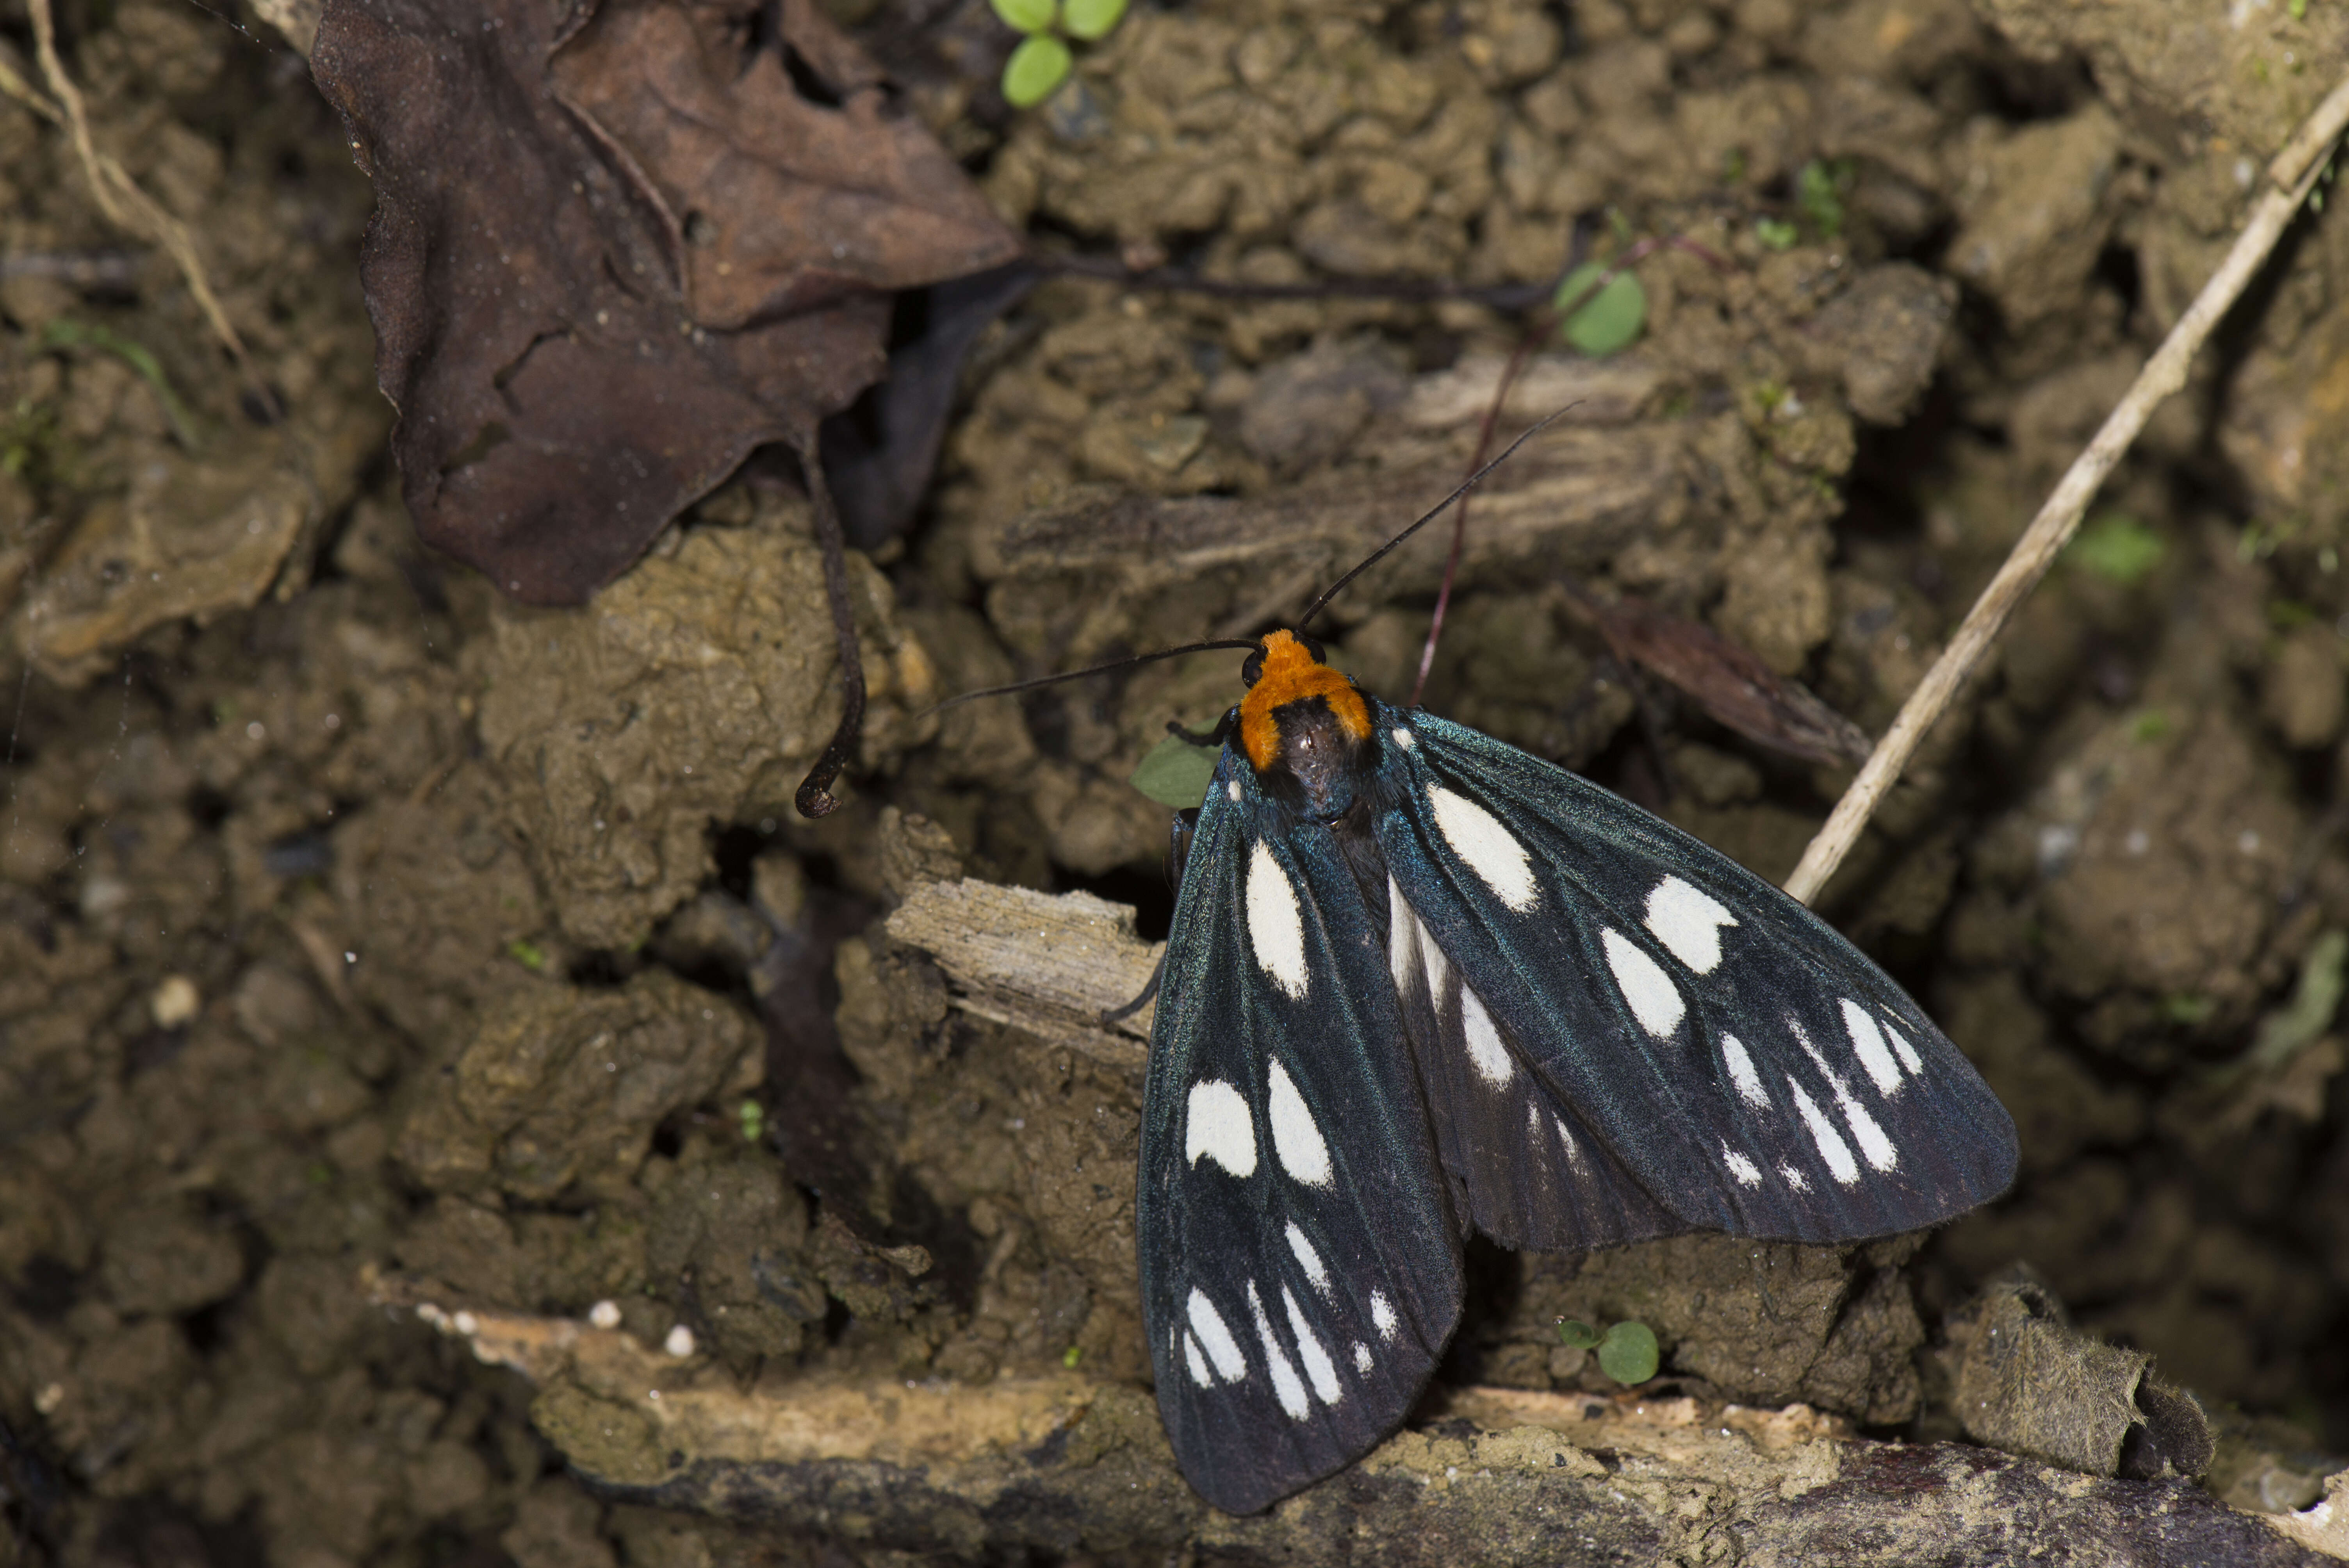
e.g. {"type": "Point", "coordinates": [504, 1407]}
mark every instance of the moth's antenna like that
{"type": "Point", "coordinates": [1095, 670]}
{"type": "Point", "coordinates": [1380, 554]}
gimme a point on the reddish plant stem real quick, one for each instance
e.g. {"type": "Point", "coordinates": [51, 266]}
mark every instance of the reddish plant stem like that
{"type": "Point", "coordinates": [1545, 321]}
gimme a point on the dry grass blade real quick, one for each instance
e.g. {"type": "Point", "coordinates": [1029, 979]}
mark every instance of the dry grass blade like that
{"type": "Point", "coordinates": [119, 197]}
{"type": "Point", "coordinates": [2291, 177]}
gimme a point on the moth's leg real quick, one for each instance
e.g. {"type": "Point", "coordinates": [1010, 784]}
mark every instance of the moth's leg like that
{"type": "Point", "coordinates": [1131, 1008]}
{"type": "Point", "coordinates": [1178, 855]}
{"type": "Point", "coordinates": [1215, 737]}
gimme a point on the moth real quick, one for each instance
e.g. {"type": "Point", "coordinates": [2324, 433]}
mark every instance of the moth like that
{"type": "Point", "coordinates": [1418, 981]}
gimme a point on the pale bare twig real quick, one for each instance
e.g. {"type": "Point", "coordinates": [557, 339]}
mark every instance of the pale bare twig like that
{"type": "Point", "coordinates": [119, 197]}
{"type": "Point", "coordinates": [2291, 177]}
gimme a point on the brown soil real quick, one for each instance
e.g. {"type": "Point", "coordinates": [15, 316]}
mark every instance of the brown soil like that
{"type": "Point", "coordinates": [367, 940]}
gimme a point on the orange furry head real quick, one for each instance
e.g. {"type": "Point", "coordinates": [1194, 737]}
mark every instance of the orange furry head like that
{"type": "Point", "coordinates": [1292, 672]}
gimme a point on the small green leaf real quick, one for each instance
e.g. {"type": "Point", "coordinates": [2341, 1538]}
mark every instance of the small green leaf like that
{"type": "Point", "coordinates": [1177, 773]}
{"type": "Point", "coordinates": [1026, 16]}
{"type": "Point", "coordinates": [1606, 322]}
{"type": "Point", "coordinates": [2290, 1029]}
{"type": "Point", "coordinates": [1574, 1332]}
{"type": "Point", "coordinates": [2290, 615]}
{"type": "Point", "coordinates": [1628, 1354]}
{"type": "Point", "coordinates": [529, 955]}
{"type": "Point", "coordinates": [1072, 1356]}
{"type": "Point", "coordinates": [62, 333]}
{"type": "Point", "coordinates": [2188, 1010]}
{"type": "Point", "coordinates": [1775, 233]}
{"type": "Point", "coordinates": [1034, 70]}
{"type": "Point", "coordinates": [2148, 727]}
{"type": "Point", "coordinates": [1818, 191]}
{"type": "Point", "coordinates": [2117, 546]}
{"type": "Point", "coordinates": [1093, 19]}
{"type": "Point", "coordinates": [754, 1119]}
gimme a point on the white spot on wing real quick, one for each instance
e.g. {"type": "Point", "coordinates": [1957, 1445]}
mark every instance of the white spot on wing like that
{"type": "Point", "coordinates": [1402, 737]}
{"type": "Point", "coordinates": [1687, 923]}
{"type": "Point", "coordinates": [1287, 1386]}
{"type": "Point", "coordinates": [1748, 1174]}
{"type": "Point", "coordinates": [1362, 1358]}
{"type": "Point", "coordinates": [1402, 943]}
{"type": "Point", "coordinates": [1276, 925]}
{"type": "Point", "coordinates": [1232, 788]}
{"type": "Point", "coordinates": [1383, 1315]}
{"type": "Point", "coordinates": [1307, 1259]}
{"type": "Point", "coordinates": [1295, 1138]}
{"type": "Point", "coordinates": [1794, 1179]}
{"type": "Point", "coordinates": [1216, 1123]}
{"type": "Point", "coordinates": [1222, 1348]}
{"type": "Point", "coordinates": [1438, 969]}
{"type": "Point", "coordinates": [1478, 837]}
{"type": "Point", "coordinates": [1199, 1373]}
{"type": "Point", "coordinates": [1573, 1150]}
{"type": "Point", "coordinates": [1832, 1147]}
{"type": "Point", "coordinates": [1909, 1058]}
{"type": "Point", "coordinates": [1868, 1042]}
{"type": "Point", "coordinates": [1741, 1073]}
{"type": "Point", "coordinates": [1318, 1365]}
{"type": "Point", "coordinates": [1872, 1143]}
{"type": "Point", "coordinates": [1655, 1000]}
{"type": "Point", "coordinates": [1486, 1054]}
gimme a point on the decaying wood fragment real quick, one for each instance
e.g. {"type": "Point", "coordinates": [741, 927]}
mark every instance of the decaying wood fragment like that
{"type": "Point", "coordinates": [1066, 1465]}
{"type": "Point", "coordinates": [1049, 965]}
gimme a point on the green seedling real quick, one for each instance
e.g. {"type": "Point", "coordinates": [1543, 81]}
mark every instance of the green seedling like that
{"type": "Point", "coordinates": [64, 334]}
{"type": "Point", "coordinates": [1819, 187]}
{"type": "Point", "coordinates": [752, 1118]}
{"type": "Point", "coordinates": [1072, 1356]}
{"type": "Point", "coordinates": [1627, 1352]}
{"type": "Point", "coordinates": [2300, 1023]}
{"type": "Point", "coordinates": [1775, 233]}
{"type": "Point", "coordinates": [1043, 60]}
{"type": "Point", "coordinates": [2117, 547]}
{"type": "Point", "coordinates": [527, 954]}
{"type": "Point", "coordinates": [2291, 614]}
{"type": "Point", "coordinates": [1600, 318]}
{"type": "Point", "coordinates": [2187, 1010]}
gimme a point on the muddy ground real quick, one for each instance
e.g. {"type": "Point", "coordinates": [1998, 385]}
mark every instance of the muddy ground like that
{"type": "Point", "coordinates": [367, 940]}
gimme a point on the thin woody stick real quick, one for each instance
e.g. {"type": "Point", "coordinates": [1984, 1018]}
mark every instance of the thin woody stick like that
{"type": "Point", "coordinates": [2291, 177]}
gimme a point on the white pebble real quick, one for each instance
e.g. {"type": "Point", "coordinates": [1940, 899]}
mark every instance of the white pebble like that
{"type": "Point", "coordinates": [176, 1002]}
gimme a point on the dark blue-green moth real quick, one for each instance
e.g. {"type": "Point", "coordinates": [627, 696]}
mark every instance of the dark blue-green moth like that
{"type": "Point", "coordinates": [1420, 982]}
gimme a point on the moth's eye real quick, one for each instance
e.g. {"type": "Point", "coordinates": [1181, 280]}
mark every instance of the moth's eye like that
{"type": "Point", "coordinates": [1253, 669]}
{"type": "Point", "coordinates": [1313, 647]}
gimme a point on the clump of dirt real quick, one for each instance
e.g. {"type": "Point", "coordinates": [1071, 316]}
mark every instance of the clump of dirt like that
{"type": "Point", "coordinates": [366, 938]}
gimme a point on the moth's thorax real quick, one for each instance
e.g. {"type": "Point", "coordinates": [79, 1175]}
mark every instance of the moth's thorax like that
{"type": "Point", "coordinates": [1304, 727]}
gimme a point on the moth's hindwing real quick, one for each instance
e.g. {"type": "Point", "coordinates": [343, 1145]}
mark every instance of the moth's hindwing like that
{"type": "Point", "coordinates": [1300, 1271]}
{"type": "Point", "coordinates": [1629, 1033]}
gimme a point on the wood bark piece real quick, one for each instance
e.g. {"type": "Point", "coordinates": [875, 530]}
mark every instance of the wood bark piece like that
{"type": "Point", "coordinates": [1061, 1465]}
{"type": "Point", "coordinates": [1076, 577]}
{"type": "Point", "coordinates": [1049, 965]}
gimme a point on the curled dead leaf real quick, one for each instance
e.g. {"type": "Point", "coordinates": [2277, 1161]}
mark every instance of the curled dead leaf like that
{"type": "Point", "coordinates": [616, 250]}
